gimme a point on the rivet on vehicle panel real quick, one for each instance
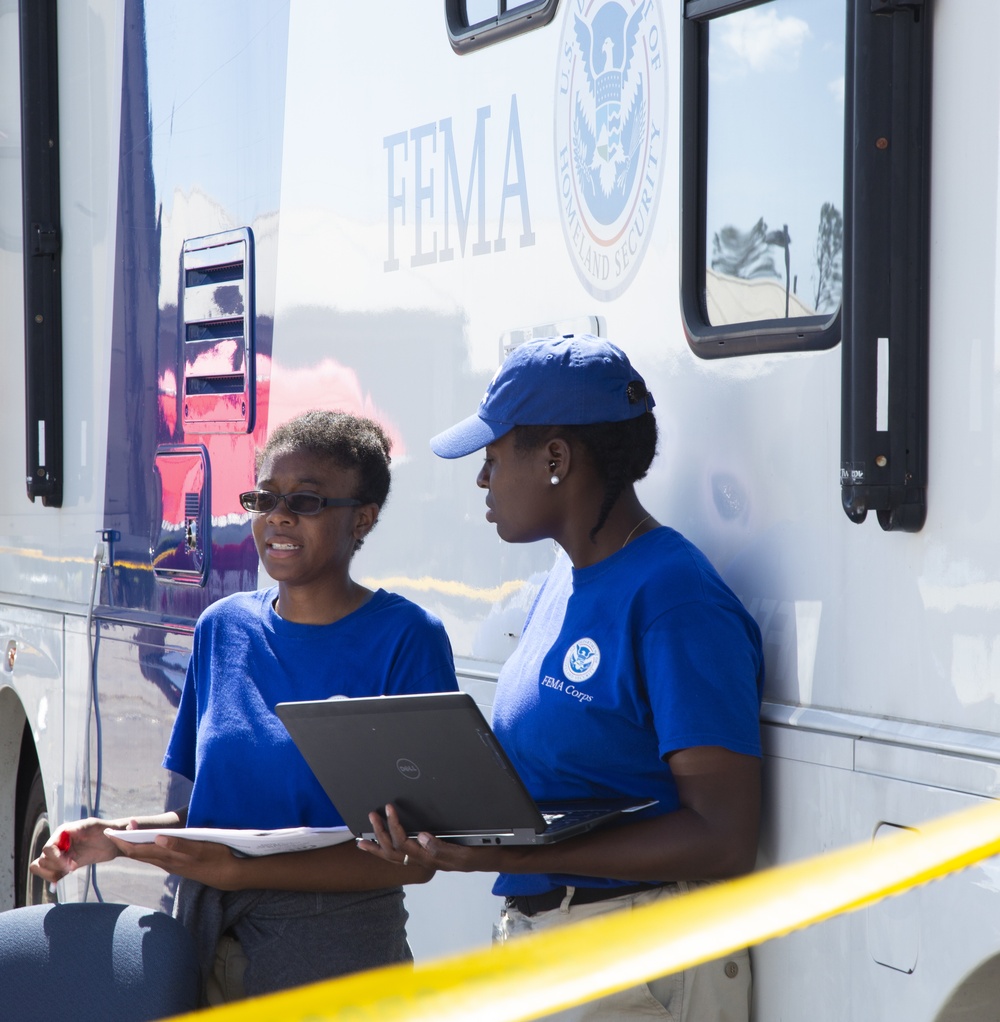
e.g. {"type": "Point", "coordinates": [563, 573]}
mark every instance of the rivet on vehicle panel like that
{"type": "Point", "coordinates": [881, 461]}
{"type": "Point", "coordinates": [882, 143]}
{"type": "Point", "coordinates": [39, 318]}
{"type": "Point", "coordinates": [11, 655]}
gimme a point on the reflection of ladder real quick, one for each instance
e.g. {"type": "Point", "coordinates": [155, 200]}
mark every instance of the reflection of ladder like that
{"type": "Point", "coordinates": [217, 393]}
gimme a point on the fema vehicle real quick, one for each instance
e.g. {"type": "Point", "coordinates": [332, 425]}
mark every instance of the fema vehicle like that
{"type": "Point", "coordinates": [213, 216]}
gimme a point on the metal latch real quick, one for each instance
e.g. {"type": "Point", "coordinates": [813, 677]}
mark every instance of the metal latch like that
{"type": "Point", "coordinates": [44, 240]}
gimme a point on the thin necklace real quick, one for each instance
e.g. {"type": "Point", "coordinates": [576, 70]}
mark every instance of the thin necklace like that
{"type": "Point", "coordinates": [633, 532]}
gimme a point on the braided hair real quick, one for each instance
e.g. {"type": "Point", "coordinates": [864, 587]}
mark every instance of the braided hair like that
{"type": "Point", "coordinates": [621, 452]}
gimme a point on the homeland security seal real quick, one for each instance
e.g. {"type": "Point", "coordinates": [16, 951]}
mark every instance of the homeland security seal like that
{"type": "Point", "coordinates": [581, 660]}
{"type": "Point", "coordinates": [609, 136]}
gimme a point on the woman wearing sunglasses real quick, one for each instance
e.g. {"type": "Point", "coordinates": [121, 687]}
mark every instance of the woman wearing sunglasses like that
{"type": "Point", "coordinates": [637, 674]}
{"type": "Point", "coordinates": [276, 921]}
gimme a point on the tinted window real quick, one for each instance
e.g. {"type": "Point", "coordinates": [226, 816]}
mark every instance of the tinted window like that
{"type": "Point", "coordinates": [769, 172]}
{"type": "Point", "coordinates": [775, 169]}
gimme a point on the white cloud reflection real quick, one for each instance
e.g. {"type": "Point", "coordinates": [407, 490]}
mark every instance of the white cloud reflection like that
{"type": "Point", "coordinates": [763, 40]}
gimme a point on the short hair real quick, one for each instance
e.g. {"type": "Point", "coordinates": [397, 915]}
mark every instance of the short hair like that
{"type": "Point", "coordinates": [349, 441]}
{"type": "Point", "coordinates": [620, 452]}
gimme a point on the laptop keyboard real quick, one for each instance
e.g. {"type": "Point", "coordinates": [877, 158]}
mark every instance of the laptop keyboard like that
{"type": "Point", "coordinates": [553, 821]}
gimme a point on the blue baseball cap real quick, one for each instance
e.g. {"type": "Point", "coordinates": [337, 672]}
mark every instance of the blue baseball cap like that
{"type": "Point", "coordinates": [572, 380]}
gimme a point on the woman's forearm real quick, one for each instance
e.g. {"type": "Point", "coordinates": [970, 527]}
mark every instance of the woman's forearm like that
{"type": "Point", "coordinates": [159, 821]}
{"type": "Point", "coordinates": [340, 868]}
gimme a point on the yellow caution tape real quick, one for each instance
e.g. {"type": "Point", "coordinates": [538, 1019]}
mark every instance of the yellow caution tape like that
{"type": "Point", "coordinates": [534, 975]}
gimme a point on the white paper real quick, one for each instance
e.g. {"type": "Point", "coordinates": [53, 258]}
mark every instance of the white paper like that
{"type": "Point", "coordinates": [246, 842]}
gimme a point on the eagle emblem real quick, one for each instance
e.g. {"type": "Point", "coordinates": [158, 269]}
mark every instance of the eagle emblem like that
{"type": "Point", "coordinates": [610, 131]}
{"type": "Point", "coordinates": [581, 660]}
{"type": "Point", "coordinates": [610, 114]}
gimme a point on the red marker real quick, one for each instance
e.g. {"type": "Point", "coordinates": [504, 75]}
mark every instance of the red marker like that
{"type": "Point", "coordinates": [64, 842]}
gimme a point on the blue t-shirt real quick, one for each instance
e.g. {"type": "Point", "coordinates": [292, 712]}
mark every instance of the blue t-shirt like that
{"type": "Point", "coordinates": [246, 769]}
{"type": "Point", "coordinates": [619, 665]}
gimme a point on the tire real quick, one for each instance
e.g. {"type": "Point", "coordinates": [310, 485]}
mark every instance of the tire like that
{"type": "Point", "coordinates": [32, 890]}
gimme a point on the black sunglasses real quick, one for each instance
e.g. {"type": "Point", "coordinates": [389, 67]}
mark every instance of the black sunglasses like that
{"type": "Point", "coordinates": [259, 502]}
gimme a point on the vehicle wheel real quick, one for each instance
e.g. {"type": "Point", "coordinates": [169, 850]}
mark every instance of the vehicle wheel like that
{"type": "Point", "coordinates": [32, 890]}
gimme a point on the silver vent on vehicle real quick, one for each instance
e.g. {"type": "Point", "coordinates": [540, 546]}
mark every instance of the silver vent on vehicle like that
{"type": "Point", "coordinates": [218, 343]}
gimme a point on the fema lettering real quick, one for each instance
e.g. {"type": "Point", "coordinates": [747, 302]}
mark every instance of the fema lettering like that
{"type": "Point", "coordinates": [425, 176]}
{"type": "Point", "coordinates": [570, 690]}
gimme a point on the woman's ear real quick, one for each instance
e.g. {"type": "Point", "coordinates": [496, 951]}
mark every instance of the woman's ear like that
{"type": "Point", "coordinates": [557, 458]}
{"type": "Point", "coordinates": [365, 518]}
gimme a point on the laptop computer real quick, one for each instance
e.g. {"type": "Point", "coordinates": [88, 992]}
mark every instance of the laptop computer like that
{"type": "Point", "coordinates": [437, 761]}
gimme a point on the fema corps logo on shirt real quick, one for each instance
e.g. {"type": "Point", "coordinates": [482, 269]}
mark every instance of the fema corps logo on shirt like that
{"type": "Point", "coordinates": [609, 133]}
{"type": "Point", "coordinates": [581, 660]}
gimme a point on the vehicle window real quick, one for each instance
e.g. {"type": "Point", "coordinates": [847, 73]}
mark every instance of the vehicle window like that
{"type": "Point", "coordinates": [764, 253]}
{"type": "Point", "coordinates": [473, 24]}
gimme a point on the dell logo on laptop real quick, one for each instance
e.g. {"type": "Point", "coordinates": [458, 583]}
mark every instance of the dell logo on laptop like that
{"type": "Point", "coordinates": [408, 769]}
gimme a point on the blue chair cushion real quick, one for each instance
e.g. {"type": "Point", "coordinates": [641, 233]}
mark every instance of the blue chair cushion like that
{"type": "Point", "coordinates": [106, 963]}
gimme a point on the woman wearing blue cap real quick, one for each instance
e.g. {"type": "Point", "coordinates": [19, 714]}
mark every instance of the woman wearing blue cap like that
{"type": "Point", "coordinates": [638, 672]}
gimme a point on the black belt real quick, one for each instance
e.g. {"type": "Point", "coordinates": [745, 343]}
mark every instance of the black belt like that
{"type": "Point", "coordinates": [532, 904]}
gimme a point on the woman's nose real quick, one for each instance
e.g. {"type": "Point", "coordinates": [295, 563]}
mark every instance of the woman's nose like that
{"type": "Point", "coordinates": [280, 512]}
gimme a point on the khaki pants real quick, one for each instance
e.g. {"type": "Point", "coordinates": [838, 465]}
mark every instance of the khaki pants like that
{"type": "Point", "coordinates": [717, 991]}
{"type": "Point", "coordinates": [225, 983]}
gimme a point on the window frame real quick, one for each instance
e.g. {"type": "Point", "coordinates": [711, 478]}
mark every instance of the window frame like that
{"type": "Point", "coordinates": [525, 17]}
{"type": "Point", "coordinates": [887, 181]}
{"type": "Point", "coordinates": [806, 333]}
{"type": "Point", "coordinates": [42, 246]}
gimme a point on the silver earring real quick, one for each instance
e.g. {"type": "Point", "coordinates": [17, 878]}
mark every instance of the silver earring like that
{"type": "Point", "coordinates": [554, 480]}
